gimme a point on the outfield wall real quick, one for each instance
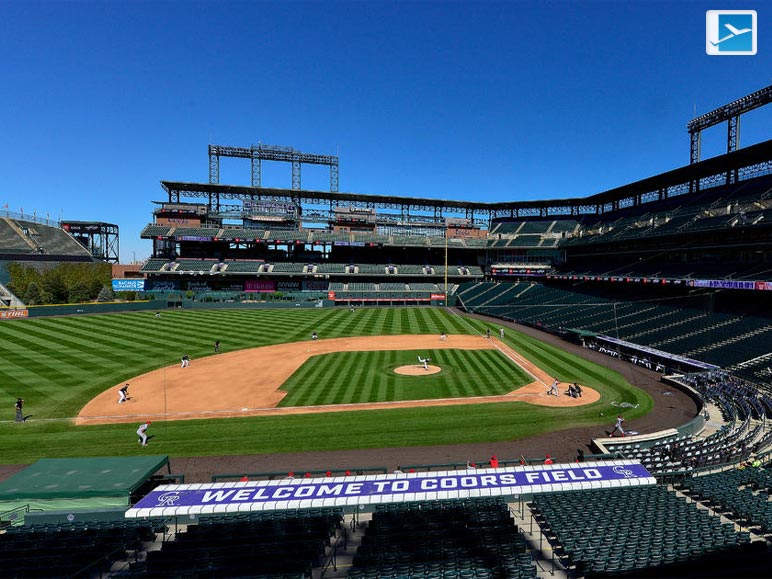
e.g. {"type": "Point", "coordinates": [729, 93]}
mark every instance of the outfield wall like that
{"type": "Point", "coordinates": [95, 308]}
{"type": "Point", "coordinates": [188, 304]}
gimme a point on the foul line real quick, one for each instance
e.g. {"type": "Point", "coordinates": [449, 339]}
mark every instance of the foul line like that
{"type": "Point", "coordinates": [505, 349]}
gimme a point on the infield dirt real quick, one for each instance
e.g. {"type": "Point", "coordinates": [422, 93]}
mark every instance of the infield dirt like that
{"type": "Point", "coordinates": [247, 382]}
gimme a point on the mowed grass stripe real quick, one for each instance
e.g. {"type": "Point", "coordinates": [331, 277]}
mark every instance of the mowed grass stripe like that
{"type": "Point", "coordinates": [444, 322]}
{"type": "Point", "coordinates": [456, 381]}
{"type": "Point", "coordinates": [412, 321]}
{"type": "Point", "coordinates": [313, 377]}
{"type": "Point", "coordinates": [507, 373]}
{"type": "Point", "coordinates": [76, 350]}
{"type": "Point", "coordinates": [135, 339]}
{"type": "Point", "coordinates": [45, 366]}
{"type": "Point", "coordinates": [379, 323]}
{"type": "Point", "coordinates": [335, 390]}
{"type": "Point", "coordinates": [353, 376]}
{"type": "Point", "coordinates": [366, 389]}
{"type": "Point", "coordinates": [477, 375]}
{"type": "Point", "coordinates": [395, 324]}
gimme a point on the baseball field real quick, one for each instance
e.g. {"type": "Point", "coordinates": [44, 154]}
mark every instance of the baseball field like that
{"type": "Point", "coordinates": [343, 391]}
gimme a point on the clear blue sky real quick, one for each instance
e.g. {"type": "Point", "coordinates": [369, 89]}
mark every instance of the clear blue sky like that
{"type": "Point", "coordinates": [486, 101]}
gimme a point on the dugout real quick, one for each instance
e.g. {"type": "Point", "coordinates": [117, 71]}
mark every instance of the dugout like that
{"type": "Point", "coordinates": [80, 484]}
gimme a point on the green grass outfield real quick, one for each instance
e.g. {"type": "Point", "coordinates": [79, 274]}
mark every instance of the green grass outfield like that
{"type": "Point", "coordinates": [59, 364]}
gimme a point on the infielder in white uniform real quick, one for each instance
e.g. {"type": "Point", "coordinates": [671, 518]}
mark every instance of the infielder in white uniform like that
{"type": "Point", "coordinates": [123, 394]}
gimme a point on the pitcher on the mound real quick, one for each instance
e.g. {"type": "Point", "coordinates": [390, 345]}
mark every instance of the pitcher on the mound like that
{"type": "Point", "coordinates": [424, 361]}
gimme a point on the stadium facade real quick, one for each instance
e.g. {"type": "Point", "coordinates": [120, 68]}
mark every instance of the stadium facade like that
{"type": "Point", "coordinates": [679, 263]}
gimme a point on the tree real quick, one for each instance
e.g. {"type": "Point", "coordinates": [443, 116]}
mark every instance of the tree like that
{"type": "Point", "coordinates": [79, 292]}
{"type": "Point", "coordinates": [128, 296]}
{"type": "Point", "coordinates": [55, 286]}
{"type": "Point", "coordinates": [21, 277]}
{"type": "Point", "coordinates": [105, 294]}
{"type": "Point", "coordinates": [65, 282]}
{"type": "Point", "coordinates": [32, 296]}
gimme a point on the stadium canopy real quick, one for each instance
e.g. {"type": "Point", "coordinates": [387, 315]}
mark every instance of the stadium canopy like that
{"type": "Point", "coordinates": [364, 492]}
{"type": "Point", "coordinates": [78, 483]}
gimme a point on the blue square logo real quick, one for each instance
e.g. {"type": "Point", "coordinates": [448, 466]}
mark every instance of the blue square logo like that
{"type": "Point", "coordinates": [730, 32]}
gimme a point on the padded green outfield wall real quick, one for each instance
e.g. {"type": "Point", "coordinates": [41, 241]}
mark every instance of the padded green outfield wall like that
{"type": "Point", "coordinates": [95, 308]}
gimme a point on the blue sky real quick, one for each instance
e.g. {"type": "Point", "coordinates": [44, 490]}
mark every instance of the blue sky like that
{"type": "Point", "coordinates": [486, 101]}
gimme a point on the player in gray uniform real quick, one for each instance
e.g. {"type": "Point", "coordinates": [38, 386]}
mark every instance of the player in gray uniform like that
{"type": "Point", "coordinates": [618, 426]}
{"type": "Point", "coordinates": [142, 433]}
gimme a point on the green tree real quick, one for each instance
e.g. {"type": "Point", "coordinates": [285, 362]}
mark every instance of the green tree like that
{"type": "Point", "coordinates": [129, 296]}
{"type": "Point", "coordinates": [105, 294]}
{"type": "Point", "coordinates": [32, 296]}
{"type": "Point", "coordinates": [79, 292]}
{"type": "Point", "coordinates": [54, 285]}
{"type": "Point", "coordinates": [65, 282]}
{"type": "Point", "coordinates": [95, 285]}
{"type": "Point", "coordinates": [21, 277]}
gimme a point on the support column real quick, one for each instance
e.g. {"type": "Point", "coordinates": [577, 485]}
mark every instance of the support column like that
{"type": "Point", "coordinates": [334, 177]}
{"type": "Point", "coordinates": [295, 172]}
{"type": "Point", "coordinates": [257, 170]}
{"type": "Point", "coordinates": [732, 144]}
{"type": "Point", "coordinates": [694, 155]}
{"type": "Point", "coordinates": [214, 165]}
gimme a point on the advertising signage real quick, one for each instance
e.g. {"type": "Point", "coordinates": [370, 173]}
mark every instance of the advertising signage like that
{"type": "Point", "coordinates": [170, 500]}
{"type": "Point", "coordinates": [123, 285]}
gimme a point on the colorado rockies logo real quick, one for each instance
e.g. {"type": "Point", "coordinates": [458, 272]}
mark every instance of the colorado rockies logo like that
{"type": "Point", "coordinates": [626, 472]}
{"type": "Point", "coordinates": [168, 499]}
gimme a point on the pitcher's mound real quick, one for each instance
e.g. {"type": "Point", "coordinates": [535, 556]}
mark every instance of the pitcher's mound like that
{"type": "Point", "coordinates": [417, 370]}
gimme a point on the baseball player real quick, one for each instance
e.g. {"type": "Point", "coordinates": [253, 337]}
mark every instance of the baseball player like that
{"type": "Point", "coordinates": [185, 361]}
{"type": "Point", "coordinates": [142, 433]}
{"type": "Point", "coordinates": [618, 426]}
{"type": "Point", "coordinates": [424, 361]}
{"type": "Point", "coordinates": [554, 388]}
{"type": "Point", "coordinates": [19, 409]}
{"type": "Point", "coordinates": [123, 393]}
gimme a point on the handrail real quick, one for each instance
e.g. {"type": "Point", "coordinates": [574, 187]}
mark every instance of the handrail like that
{"type": "Point", "coordinates": [333, 559]}
{"type": "Point", "coordinates": [101, 560]}
{"type": "Point", "coordinates": [175, 478]}
{"type": "Point", "coordinates": [522, 461]}
{"type": "Point", "coordinates": [11, 515]}
{"type": "Point", "coordinates": [300, 473]}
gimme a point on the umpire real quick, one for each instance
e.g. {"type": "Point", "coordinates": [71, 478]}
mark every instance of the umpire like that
{"type": "Point", "coordinates": [19, 411]}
